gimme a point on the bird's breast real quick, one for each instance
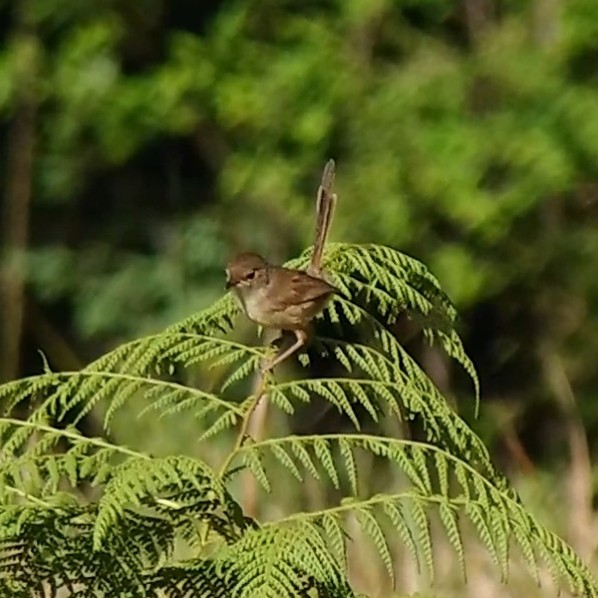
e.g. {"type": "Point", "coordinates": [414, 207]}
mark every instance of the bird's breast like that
{"type": "Point", "coordinates": [254, 302]}
{"type": "Point", "coordinates": [267, 310]}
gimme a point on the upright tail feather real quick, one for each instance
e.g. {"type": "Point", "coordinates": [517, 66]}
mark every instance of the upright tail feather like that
{"type": "Point", "coordinates": [325, 204]}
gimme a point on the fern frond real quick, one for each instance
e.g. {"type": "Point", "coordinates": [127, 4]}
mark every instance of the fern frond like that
{"type": "Point", "coordinates": [140, 479]}
{"type": "Point", "coordinates": [51, 551]}
{"type": "Point", "coordinates": [167, 351]}
{"type": "Point", "coordinates": [216, 318]}
{"type": "Point", "coordinates": [140, 367]}
{"type": "Point", "coordinates": [74, 394]}
{"type": "Point", "coordinates": [343, 393]}
{"type": "Point", "coordinates": [282, 561]}
{"type": "Point", "coordinates": [390, 283]}
{"type": "Point", "coordinates": [47, 548]}
{"type": "Point", "coordinates": [198, 577]}
{"type": "Point", "coordinates": [397, 386]}
{"type": "Point", "coordinates": [30, 459]}
{"type": "Point", "coordinates": [467, 495]}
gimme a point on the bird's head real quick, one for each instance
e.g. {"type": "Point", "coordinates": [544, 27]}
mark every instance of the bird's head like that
{"type": "Point", "coordinates": [246, 270]}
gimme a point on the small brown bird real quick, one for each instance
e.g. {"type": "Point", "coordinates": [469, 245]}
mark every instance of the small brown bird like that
{"type": "Point", "coordinates": [283, 298]}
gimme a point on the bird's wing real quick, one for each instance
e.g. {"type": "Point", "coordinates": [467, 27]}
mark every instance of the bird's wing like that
{"type": "Point", "coordinates": [304, 287]}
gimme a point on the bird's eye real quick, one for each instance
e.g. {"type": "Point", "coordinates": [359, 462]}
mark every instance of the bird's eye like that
{"type": "Point", "coordinates": [251, 275]}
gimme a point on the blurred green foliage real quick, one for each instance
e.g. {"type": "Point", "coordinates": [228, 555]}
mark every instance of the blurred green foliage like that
{"type": "Point", "coordinates": [171, 134]}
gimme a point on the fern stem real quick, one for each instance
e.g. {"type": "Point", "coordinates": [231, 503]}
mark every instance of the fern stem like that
{"type": "Point", "coordinates": [364, 438]}
{"type": "Point", "coordinates": [254, 400]}
{"type": "Point", "coordinates": [214, 398]}
{"type": "Point", "coordinates": [89, 370]}
{"type": "Point", "coordinates": [132, 378]}
{"type": "Point", "coordinates": [352, 505]}
{"type": "Point", "coordinates": [33, 499]}
{"type": "Point", "coordinates": [73, 436]}
{"type": "Point", "coordinates": [170, 335]}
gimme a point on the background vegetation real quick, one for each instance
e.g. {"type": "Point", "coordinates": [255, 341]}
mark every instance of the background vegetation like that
{"type": "Point", "coordinates": [144, 142]}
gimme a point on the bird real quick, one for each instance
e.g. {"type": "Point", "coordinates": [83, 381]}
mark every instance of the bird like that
{"type": "Point", "coordinates": [277, 297]}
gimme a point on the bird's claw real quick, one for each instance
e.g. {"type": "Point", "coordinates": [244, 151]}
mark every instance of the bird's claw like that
{"type": "Point", "coordinates": [265, 367]}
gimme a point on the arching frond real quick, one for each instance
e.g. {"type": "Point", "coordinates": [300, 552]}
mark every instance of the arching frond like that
{"type": "Point", "coordinates": [379, 384]}
{"type": "Point", "coordinates": [71, 395]}
{"type": "Point", "coordinates": [439, 480]}
{"type": "Point", "coordinates": [391, 283]}
{"type": "Point", "coordinates": [30, 458]}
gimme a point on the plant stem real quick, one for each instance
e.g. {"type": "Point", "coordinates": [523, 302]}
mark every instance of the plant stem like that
{"type": "Point", "coordinates": [254, 400]}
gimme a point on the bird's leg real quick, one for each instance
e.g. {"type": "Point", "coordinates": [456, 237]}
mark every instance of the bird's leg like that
{"type": "Point", "coordinates": [301, 340]}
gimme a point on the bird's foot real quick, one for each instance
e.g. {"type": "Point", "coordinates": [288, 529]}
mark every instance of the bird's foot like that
{"type": "Point", "coordinates": [266, 366]}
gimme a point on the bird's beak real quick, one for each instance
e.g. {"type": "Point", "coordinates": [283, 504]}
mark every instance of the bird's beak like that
{"type": "Point", "coordinates": [228, 283]}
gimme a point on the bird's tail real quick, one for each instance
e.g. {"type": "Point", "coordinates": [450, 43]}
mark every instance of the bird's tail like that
{"type": "Point", "coordinates": [325, 204]}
